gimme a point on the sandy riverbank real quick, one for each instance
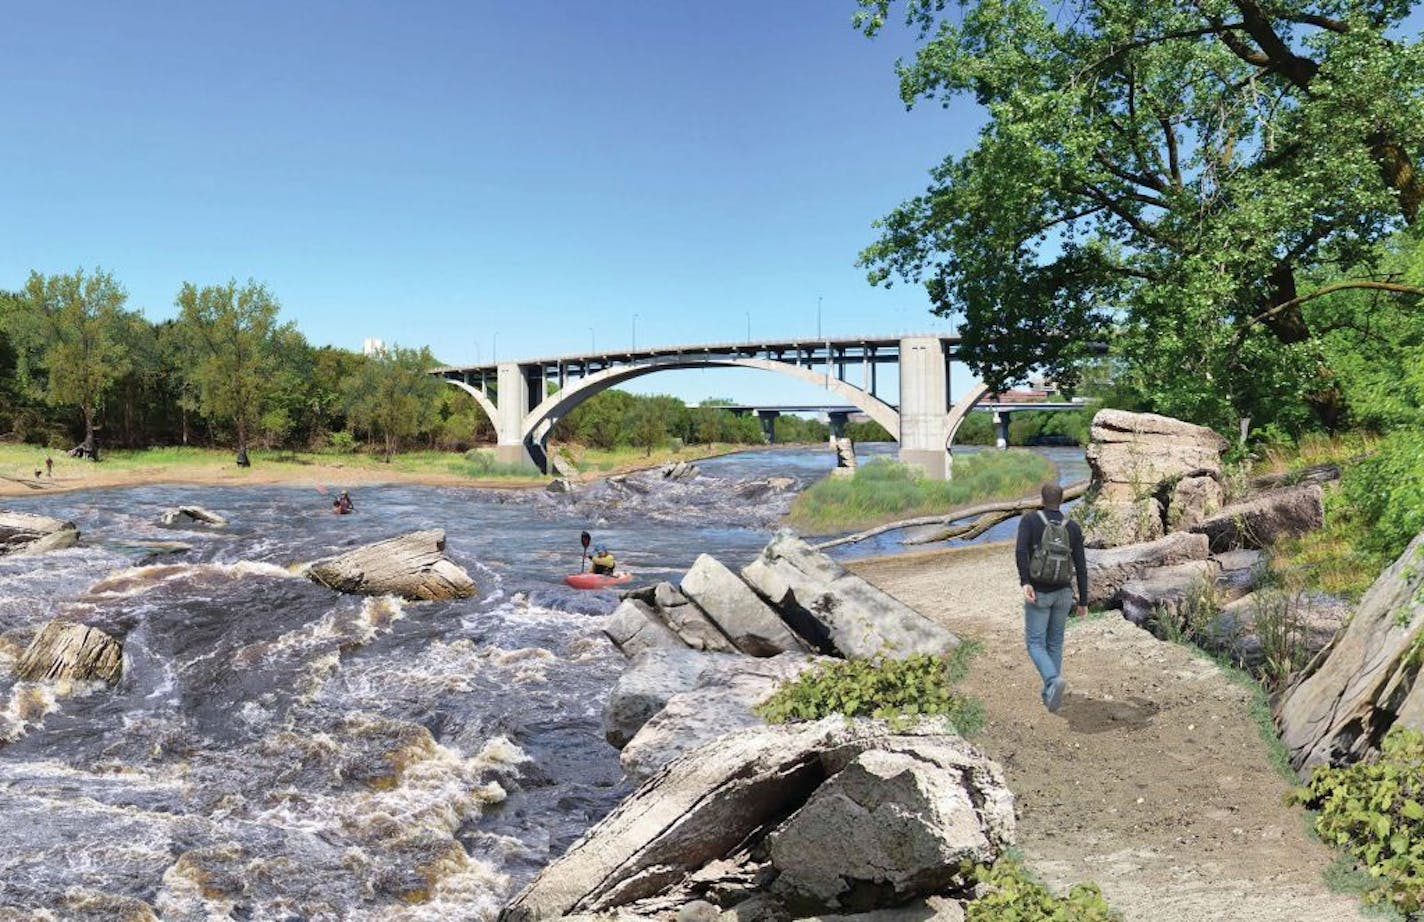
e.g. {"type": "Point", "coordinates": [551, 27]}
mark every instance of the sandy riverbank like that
{"type": "Point", "coordinates": [1152, 780]}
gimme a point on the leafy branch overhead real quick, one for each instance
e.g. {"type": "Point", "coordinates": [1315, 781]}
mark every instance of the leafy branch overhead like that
{"type": "Point", "coordinates": [1178, 175]}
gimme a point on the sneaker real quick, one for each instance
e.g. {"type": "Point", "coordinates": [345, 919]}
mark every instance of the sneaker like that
{"type": "Point", "coordinates": [1056, 688]}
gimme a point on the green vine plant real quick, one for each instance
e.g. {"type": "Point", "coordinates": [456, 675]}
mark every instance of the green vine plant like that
{"type": "Point", "coordinates": [896, 690]}
{"type": "Point", "coordinates": [1375, 813]}
{"type": "Point", "coordinates": [1007, 893]}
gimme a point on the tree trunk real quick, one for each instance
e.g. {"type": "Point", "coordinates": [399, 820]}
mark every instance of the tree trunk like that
{"type": "Point", "coordinates": [91, 450]}
{"type": "Point", "coordinates": [242, 460]}
{"type": "Point", "coordinates": [388, 448]}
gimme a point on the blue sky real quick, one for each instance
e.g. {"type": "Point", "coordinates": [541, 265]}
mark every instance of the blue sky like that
{"type": "Point", "coordinates": [439, 173]}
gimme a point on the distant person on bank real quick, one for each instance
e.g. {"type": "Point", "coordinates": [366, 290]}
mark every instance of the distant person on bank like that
{"type": "Point", "coordinates": [1050, 556]}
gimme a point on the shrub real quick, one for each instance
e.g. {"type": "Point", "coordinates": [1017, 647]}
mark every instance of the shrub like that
{"type": "Point", "coordinates": [1386, 490]}
{"type": "Point", "coordinates": [343, 442]}
{"type": "Point", "coordinates": [1009, 894]}
{"type": "Point", "coordinates": [1375, 812]}
{"type": "Point", "coordinates": [898, 690]}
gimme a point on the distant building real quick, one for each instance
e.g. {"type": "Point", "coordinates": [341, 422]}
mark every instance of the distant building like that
{"type": "Point", "coordinates": [372, 346]}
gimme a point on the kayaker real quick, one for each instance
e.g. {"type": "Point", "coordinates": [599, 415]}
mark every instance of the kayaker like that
{"type": "Point", "coordinates": [343, 504]}
{"type": "Point", "coordinates": [602, 560]}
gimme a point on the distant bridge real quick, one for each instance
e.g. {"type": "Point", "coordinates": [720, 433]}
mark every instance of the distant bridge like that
{"type": "Point", "coordinates": [838, 417]}
{"type": "Point", "coordinates": [525, 398]}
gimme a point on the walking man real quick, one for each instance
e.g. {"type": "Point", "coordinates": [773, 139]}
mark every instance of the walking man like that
{"type": "Point", "coordinates": [1049, 555]}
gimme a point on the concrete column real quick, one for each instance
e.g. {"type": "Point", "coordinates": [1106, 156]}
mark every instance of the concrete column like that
{"type": "Point", "coordinates": [768, 424]}
{"type": "Point", "coordinates": [1001, 429]}
{"type": "Point", "coordinates": [924, 405]}
{"type": "Point", "coordinates": [513, 405]}
{"type": "Point", "coordinates": [838, 424]}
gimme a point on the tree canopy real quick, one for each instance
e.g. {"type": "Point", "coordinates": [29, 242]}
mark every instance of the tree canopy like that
{"type": "Point", "coordinates": [1183, 178]}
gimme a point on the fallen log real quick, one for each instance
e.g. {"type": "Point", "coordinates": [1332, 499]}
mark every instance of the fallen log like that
{"type": "Point", "coordinates": [1009, 508]}
{"type": "Point", "coordinates": [965, 532]}
{"type": "Point", "coordinates": [1316, 473]}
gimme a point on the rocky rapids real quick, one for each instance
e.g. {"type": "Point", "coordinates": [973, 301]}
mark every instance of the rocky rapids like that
{"type": "Point", "coordinates": [276, 750]}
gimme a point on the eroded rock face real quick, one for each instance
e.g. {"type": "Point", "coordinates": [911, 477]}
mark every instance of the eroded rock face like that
{"type": "Point", "coordinates": [1148, 471]}
{"type": "Point", "coordinates": [1110, 568]}
{"type": "Point", "coordinates": [635, 627]}
{"type": "Point", "coordinates": [701, 825]}
{"type": "Point", "coordinates": [23, 533]}
{"type": "Point", "coordinates": [66, 650]}
{"type": "Point", "coordinates": [187, 515]}
{"type": "Point", "coordinates": [412, 566]}
{"type": "Point", "coordinates": [1366, 680]}
{"type": "Point", "coordinates": [836, 611]}
{"type": "Point", "coordinates": [1261, 520]}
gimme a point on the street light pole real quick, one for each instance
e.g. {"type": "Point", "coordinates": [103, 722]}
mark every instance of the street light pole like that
{"type": "Point", "coordinates": [494, 357]}
{"type": "Point", "coordinates": [635, 333]}
{"type": "Point", "coordinates": [749, 326]}
{"type": "Point", "coordinates": [592, 341]}
{"type": "Point", "coordinates": [818, 316]}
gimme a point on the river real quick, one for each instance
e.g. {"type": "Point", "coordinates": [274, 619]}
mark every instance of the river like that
{"type": "Point", "coordinates": [277, 751]}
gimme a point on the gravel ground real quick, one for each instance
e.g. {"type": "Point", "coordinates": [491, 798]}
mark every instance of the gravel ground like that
{"type": "Point", "coordinates": [1152, 779]}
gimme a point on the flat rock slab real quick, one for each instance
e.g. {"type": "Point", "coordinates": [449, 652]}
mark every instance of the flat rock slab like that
{"type": "Point", "coordinates": [412, 566]}
{"type": "Point", "coordinates": [23, 533]}
{"type": "Point", "coordinates": [1165, 589]}
{"type": "Point", "coordinates": [1110, 568]}
{"type": "Point", "coordinates": [635, 627]}
{"type": "Point", "coordinates": [698, 819]}
{"type": "Point", "coordinates": [188, 515]}
{"type": "Point", "coordinates": [66, 650]}
{"type": "Point", "coordinates": [738, 612]}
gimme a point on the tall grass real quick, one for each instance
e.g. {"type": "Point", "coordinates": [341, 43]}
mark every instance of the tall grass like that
{"type": "Point", "coordinates": [885, 490]}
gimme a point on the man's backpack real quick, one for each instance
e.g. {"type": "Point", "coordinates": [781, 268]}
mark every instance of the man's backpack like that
{"type": "Point", "coordinates": [1051, 563]}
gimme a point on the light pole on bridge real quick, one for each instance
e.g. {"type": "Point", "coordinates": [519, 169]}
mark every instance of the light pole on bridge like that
{"type": "Point", "coordinates": [634, 347]}
{"type": "Point", "coordinates": [494, 352]}
{"type": "Point", "coordinates": [818, 316]}
{"type": "Point", "coordinates": [592, 342]}
{"type": "Point", "coordinates": [749, 326]}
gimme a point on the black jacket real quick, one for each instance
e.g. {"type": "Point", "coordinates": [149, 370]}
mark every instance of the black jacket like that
{"type": "Point", "coordinates": [1030, 531]}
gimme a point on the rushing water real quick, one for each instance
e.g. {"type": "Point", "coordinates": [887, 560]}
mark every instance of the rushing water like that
{"type": "Point", "coordinates": [278, 751]}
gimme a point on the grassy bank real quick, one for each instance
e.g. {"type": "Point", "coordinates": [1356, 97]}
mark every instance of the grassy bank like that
{"type": "Point", "coordinates": [884, 490]}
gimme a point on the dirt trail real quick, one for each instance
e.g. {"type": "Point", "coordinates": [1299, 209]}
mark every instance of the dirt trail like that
{"type": "Point", "coordinates": [1152, 779]}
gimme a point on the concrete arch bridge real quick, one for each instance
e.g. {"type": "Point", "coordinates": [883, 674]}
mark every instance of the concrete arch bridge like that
{"type": "Point", "coordinates": [524, 399]}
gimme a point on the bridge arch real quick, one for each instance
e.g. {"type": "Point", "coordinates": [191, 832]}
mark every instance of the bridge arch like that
{"type": "Point", "coordinates": [541, 419]}
{"type": "Point", "coordinates": [960, 412]}
{"type": "Point", "coordinates": [481, 399]}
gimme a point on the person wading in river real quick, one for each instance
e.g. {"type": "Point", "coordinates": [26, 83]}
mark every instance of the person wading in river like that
{"type": "Point", "coordinates": [1049, 555]}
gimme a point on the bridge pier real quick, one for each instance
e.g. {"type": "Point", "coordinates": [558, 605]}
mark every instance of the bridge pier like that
{"type": "Point", "coordinates": [511, 408]}
{"type": "Point", "coordinates": [1001, 429]}
{"type": "Point", "coordinates": [924, 405]}
{"type": "Point", "coordinates": [837, 425]}
{"type": "Point", "coordinates": [768, 424]}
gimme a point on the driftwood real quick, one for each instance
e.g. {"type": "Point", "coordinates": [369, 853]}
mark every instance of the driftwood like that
{"type": "Point", "coordinates": [988, 515]}
{"type": "Point", "coordinates": [1316, 473]}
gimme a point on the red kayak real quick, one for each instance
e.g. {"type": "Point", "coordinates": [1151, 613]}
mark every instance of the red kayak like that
{"type": "Point", "coordinates": [597, 580]}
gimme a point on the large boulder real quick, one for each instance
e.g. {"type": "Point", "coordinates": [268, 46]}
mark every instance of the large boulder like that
{"type": "Point", "coordinates": [1144, 467]}
{"type": "Point", "coordinates": [23, 533]}
{"type": "Point", "coordinates": [635, 626]}
{"type": "Point", "coordinates": [699, 830]}
{"type": "Point", "coordinates": [689, 622]}
{"type": "Point", "coordinates": [66, 650]}
{"type": "Point", "coordinates": [836, 611]}
{"type": "Point", "coordinates": [1266, 517]}
{"type": "Point", "coordinates": [1110, 568]}
{"type": "Point", "coordinates": [654, 676]}
{"type": "Point", "coordinates": [188, 515]}
{"type": "Point", "coordinates": [412, 566]}
{"type": "Point", "coordinates": [753, 627]}
{"type": "Point", "coordinates": [723, 699]}
{"type": "Point", "coordinates": [1342, 704]}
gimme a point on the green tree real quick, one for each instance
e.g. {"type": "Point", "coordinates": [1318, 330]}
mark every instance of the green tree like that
{"type": "Point", "coordinates": [1172, 175]}
{"type": "Point", "coordinates": [73, 327]}
{"type": "Point", "coordinates": [392, 393]}
{"type": "Point", "coordinates": [648, 429]}
{"type": "Point", "coordinates": [232, 336]}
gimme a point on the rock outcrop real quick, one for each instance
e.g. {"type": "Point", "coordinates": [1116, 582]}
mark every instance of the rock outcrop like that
{"type": "Point", "coordinates": [23, 533]}
{"type": "Point", "coordinates": [1166, 589]}
{"type": "Point", "coordinates": [722, 699]}
{"type": "Point", "coordinates": [560, 485]}
{"type": "Point", "coordinates": [654, 676]}
{"type": "Point", "coordinates": [1366, 681]}
{"type": "Point", "coordinates": [1266, 517]}
{"type": "Point", "coordinates": [681, 470]}
{"type": "Point", "coordinates": [412, 566]}
{"type": "Point", "coordinates": [66, 650]}
{"type": "Point", "coordinates": [1149, 471]}
{"type": "Point", "coordinates": [891, 816]}
{"type": "Point", "coordinates": [737, 611]}
{"type": "Point", "coordinates": [188, 515]}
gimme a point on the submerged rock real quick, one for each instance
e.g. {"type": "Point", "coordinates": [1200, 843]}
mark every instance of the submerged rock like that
{"type": "Point", "coordinates": [811, 815]}
{"type": "Point", "coordinates": [186, 515]}
{"type": "Point", "coordinates": [412, 566]}
{"type": "Point", "coordinates": [23, 533]}
{"type": "Point", "coordinates": [66, 650]}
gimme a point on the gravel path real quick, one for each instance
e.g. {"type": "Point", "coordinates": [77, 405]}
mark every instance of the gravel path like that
{"type": "Point", "coordinates": [1152, 779]}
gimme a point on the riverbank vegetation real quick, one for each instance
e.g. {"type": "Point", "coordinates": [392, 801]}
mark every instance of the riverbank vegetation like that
{"type": "Point", "coordinates": [883, 490]}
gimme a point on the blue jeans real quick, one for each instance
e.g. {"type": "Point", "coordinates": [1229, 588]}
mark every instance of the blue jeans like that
{"type": "Point", "coordinates": [1044, 620]}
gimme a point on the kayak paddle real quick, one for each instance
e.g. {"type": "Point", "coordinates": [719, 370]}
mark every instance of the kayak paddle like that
{"type": "Point", "coordinates": [586, 540]}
